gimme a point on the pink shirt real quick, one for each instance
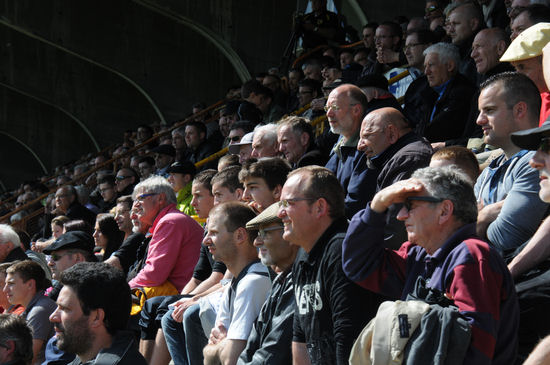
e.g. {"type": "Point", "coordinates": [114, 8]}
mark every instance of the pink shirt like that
{"type": "Point", "coordinates": [173, 251]}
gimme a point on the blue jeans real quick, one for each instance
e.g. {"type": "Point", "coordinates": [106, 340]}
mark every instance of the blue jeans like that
{"type": "Point", "coordinates": [185, 342]}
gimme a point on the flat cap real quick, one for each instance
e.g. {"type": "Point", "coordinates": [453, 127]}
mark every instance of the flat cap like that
{"type": "Point", "coordinates": [269, 215]}
{"type": "Point", "coordinates": [72, 240]}
{"type": "Point", "coordinates": [528, 43]}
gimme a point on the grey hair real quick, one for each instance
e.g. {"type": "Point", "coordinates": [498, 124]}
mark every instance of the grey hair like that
{"type": "Point", "coordinates": [450, 184]}
{"type": "Point", "coordinates": [268, 133]}
{"type": "Point", "coordinates": [7, 234]}
{"type": "Point", "coordinates": [446, 52]}
{"type": "Point", "coordinates": [155, 184]}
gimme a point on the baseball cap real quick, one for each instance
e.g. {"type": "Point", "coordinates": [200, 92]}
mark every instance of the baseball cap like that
{"type": "Point", "coordinates": [72, 240]}
{"type": "Point", "coordinates": [235, 147]}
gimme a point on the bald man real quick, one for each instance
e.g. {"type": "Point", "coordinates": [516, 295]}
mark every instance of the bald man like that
{"type": "Point", "coordinates": [488, 46]}
{"type": "Point", "coordinates": [393, 152]}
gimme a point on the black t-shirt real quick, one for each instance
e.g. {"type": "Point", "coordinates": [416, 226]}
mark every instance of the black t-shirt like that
{"type": "Point", "coordinates": [206, 265]}
{"type": "Point", "coordinates": [127, 252]}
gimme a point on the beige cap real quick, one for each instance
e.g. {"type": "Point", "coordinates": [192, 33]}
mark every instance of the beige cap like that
{"type": "Point", "coordinates": [528, 44]}
{"type": "Point", "coordinates": [269, 215]}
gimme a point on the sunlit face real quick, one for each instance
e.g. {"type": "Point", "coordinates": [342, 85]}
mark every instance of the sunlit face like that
{"type": "Point", "coordinates": [421, 223]}
{"type": "Point", "coordinates": [72, 327]}
{"type": "Point", "coordinates": [202, 201]}
{"type": "Point", "coordinates": [373, 139]}
{"type": "Point", "coordinates": [291, 145]}
{"type": "Point", "coordinates": [147, 206]}
{"type": "Point", "coordinates": [219, 240]}
{"type": "Point", "coordinates": [496, 118]}
{"type": "Point", "coordinates": [57, 230]}
{"type": "Point", "coordinates": [262, 147]}
{"type": "Point", "coordinates": [298, 216]}
{"type": "Point", "coordinates": [65, 259]}
{"type": "Point", "coordinates": [122, 217]}
{"type": "Point", "coordinates": [222, 194]}
{"type": "Point", "coordinates": [18, 291]}
{"type": "Point", "coordinates": [339, 113]}
{"type": "Point", "coordinates": [257, 191]}
{"type": "Point", "coordinates": [485, 52]}
{"type": "Point", "coordinates": [99, 238]}
{"type": "Point", "coordinates": [436, 71]}
{"type": "Point", "coordinates": [272, 248]}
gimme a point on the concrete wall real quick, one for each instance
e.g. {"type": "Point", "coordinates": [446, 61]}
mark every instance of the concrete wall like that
{"type": "Point", "coordinates": [75, 74]}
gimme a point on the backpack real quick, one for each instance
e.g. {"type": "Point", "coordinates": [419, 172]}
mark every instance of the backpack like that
{"type": "Point", "coordinates": [425, 329]}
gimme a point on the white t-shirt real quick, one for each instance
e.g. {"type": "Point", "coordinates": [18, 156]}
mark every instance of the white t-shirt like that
{"type": "Point", "coordinates": [238, 312]}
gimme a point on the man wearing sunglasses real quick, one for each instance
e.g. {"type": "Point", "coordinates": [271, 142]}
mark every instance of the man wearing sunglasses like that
{"type": "Point", "coordinates": [439, 212]}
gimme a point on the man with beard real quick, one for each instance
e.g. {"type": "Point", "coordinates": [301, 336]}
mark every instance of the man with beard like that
{"type": "Point", "coordinates": [92, 312]}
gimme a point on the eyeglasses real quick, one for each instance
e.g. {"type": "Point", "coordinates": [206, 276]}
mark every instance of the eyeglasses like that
{"type": "Point", "coordinates": [57, 257]}
{"type": "Point", "coordinates": [336, 107]}
{"type": "Point", "coordinates": [544, 145]}
{"type": "Point", "coordinates": [235, 138]}
{"type": "Point", "coordinates": [121, 177]}
{"type": "Point", "coordinates": [262, 231]}
{"type": "Point", "coordinates": [431, 199]}
{"type": "Point", "coordinates": [143, 196]}
{"type": "Point", "coordinates": [285, 203]}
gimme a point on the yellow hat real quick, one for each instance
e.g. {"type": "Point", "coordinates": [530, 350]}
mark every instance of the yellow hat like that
{"type": "Point", "coordinates": [528, 44]}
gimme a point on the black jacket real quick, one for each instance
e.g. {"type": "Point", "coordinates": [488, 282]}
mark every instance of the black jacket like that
{"type": "Point", "coordinates": [451, 111]}
{"type": "Point", "coordinates": [397, 163]}
{"type": "Point", "coordinates": [330, 310]}
{"type": "Point", "coordinates": [271, 336]}
{"type": "Point", "coordinates": [123, 351]}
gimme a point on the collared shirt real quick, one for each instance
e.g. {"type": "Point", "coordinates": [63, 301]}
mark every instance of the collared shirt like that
{"type": "Point", "coordinates": [173, 250]}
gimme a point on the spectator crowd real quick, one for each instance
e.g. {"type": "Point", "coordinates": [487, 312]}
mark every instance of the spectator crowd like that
{"type": "Point", "coordinates": [325, 215]}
